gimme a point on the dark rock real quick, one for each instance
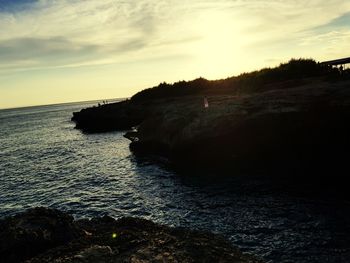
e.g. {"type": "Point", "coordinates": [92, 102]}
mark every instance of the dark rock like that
{"type": "Point", "coordinates": [34, 231]}
{"type": "Point", "coordinates": [45, 235]}
{"type": "Point", "coordinates": [302, 128]}
{"type": "Point", "coordinates": [131, 135]}
{"type": "Point", "coordinates": [109, 117]}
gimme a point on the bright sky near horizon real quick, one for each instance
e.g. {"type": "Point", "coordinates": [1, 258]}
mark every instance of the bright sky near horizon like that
{"type": "Point", "coordinates": [55, 51]}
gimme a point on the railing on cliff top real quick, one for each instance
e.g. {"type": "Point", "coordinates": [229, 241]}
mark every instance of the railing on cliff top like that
{"type": "Point", "coordinates": [337, 62]}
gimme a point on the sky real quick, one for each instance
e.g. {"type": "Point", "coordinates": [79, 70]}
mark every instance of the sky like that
{"type": "Point", "coordinates": [54, 51]}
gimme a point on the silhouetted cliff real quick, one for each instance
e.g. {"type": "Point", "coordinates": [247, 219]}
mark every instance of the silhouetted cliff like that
{"type": "Point", "coordinates": [124, 115]}
{"type": "Point", "coordinates": [291, 117]}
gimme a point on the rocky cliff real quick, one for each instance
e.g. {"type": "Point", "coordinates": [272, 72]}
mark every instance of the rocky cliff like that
{"type": "Point", "coordinates": [284, 123]}
{"type": "Point", "coordinates": [305, 126]}
{"type": "Point", "coordinates": [149, 102]}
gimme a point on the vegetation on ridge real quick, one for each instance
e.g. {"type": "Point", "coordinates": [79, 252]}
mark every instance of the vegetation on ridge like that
{"type": "Point", "coordinates": [291, 73]}
{"type": "Point", "coordinates": [149, 102]}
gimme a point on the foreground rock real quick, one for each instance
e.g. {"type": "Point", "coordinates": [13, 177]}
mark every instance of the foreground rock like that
{"type": "Point", "coordinates": [46, 235]}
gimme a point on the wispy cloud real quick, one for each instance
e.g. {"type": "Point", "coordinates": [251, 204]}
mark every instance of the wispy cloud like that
{"type": "Point", "coordinates": [40, 49]}
{"type": "Point", "coordinates": [65, 33]}
{"type": "Point", "coordinates": [58, 32]}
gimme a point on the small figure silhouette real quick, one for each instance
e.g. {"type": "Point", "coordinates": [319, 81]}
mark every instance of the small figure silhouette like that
{"type": "Point", "coordinates": [206, 103]}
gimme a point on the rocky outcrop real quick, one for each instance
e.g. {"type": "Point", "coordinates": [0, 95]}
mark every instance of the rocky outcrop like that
{"type": "Point", "coordinates": [149, 102]}
{"type": "Point", "coordinates": [300, 127]}
{"type": "Point", "coordinates": [47, 235]}
{"type": "Point", "coordinates": [35, 231]}
{"type": "Point", "coordinates": [294, 116]}
{"type": "Point", "coordinates": [109, 117]}
{"type": "Point", "coordinates": [306, 126]}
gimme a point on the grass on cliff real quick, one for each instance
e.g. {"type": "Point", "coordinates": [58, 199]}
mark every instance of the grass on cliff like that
{"type": "Point", "coordinates": [293, 73]}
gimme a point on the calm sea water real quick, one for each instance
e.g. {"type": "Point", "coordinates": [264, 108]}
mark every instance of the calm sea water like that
{"type": "Point", "coordinates": [44, 161]}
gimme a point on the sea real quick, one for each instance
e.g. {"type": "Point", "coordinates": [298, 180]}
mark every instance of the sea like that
{"type": "Point", "coordinates": [45, 161]}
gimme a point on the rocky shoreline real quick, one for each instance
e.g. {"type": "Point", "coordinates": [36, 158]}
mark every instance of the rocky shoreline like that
{"type": "Point", "coordinates": [306, 125]}
{"type": "Point", "coordinates": [296, 122]}
{"type": "Point", "coordinates": [48, 235]}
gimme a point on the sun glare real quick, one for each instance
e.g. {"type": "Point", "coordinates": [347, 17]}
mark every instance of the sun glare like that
{"type": "Point", "coordinates": [219, 50]}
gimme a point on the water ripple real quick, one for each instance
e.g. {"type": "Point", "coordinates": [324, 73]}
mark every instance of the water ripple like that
{"type": "Point", "coordinates": [45, 162]}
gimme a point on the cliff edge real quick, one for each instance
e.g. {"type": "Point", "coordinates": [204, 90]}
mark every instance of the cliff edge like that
{"type": "Point", "coordinates": [290, 118]}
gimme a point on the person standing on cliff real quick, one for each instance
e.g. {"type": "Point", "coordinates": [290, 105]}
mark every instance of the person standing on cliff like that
{"type": "Point", "coordinates": [206, 103]}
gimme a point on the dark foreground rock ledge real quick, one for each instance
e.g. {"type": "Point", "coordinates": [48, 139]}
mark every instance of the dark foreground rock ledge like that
{"type": "Point", "coordinates": [47, 235]}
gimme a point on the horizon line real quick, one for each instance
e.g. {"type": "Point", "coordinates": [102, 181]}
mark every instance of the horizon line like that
{"type": "Point", "coordinates": [62, 103]}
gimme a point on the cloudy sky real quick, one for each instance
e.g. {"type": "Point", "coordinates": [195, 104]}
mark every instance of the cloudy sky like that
{"type": "Point", "coordinates": [55, 51]}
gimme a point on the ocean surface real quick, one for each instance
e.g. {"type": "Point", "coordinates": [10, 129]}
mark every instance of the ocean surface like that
{"type": "Point", "coordinates": [44, 161]}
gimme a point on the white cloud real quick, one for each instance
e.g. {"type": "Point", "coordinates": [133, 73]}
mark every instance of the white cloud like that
{"type": "Point", "coordinates": [70, 28]}
{"type": "Point", "coordinates": [64, 33]}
